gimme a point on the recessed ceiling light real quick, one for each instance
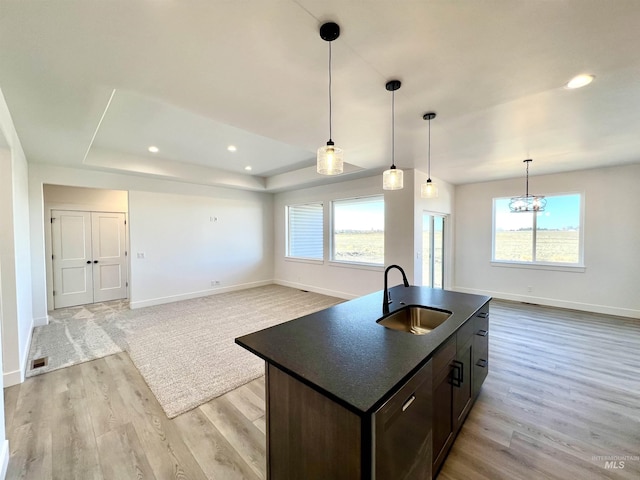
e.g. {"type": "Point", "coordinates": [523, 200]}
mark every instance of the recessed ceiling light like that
{"type": "Point", "coordinates": [580, 81]}
{"type": "Point", "coordinates": [248, 168]}
{"type": "Point", "coordinates": [232, 148]}
{"type": "Point", "coordinates": [153, 149]}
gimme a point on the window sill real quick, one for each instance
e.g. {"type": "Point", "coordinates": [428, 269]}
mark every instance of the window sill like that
{"type": "Point", "coordinates": [541, 266]}
{"type": "Point", "coordinates": [361, 266]}
{"type": "Point", "coordinates": [304, 260]}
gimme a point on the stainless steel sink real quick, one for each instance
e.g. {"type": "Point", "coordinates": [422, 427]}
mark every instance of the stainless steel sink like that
{"type": "Point", "coordinates": [415, 320]}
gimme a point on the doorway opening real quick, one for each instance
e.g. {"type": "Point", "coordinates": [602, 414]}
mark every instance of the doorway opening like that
{"type": "Point", "coordinates": [433, 229]}
{"type": "Point", "coordinates": [87, 245]}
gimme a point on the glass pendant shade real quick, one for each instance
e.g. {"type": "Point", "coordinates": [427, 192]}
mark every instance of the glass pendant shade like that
{"type": "Point", "coordinates": [329, 160]}
{"type": "Point", "coordinates": [428, 189]}
{"type": "Point", "coordinates": [393, 179]}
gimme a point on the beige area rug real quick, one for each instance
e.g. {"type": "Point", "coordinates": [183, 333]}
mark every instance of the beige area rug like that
{"type": "Point", "coordinates": [185, 350]}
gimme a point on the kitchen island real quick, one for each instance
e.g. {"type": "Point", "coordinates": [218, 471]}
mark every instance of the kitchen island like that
{"type": "Point", "coordinates": [348, 398]}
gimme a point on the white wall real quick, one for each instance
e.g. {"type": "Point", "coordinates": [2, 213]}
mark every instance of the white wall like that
{"type": "Point", "coordinates": [15, 275]}
{"type": "Point", "coordinates": [190, 241]}
{"type": "Point", "coordinates": [403, 236]}
{"type": "Point", "coordinates": [608, 284]}
{"type": "Point", "coordinates": [159, 204]}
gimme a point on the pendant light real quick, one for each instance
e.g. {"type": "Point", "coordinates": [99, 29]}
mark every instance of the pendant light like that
{"type": "Point", "coordinates": [527, 203]}
{"type": "Point", "coordinates": [329, 158]}
{"type": "Point", "coordinates": [428, 188]}
{"type": "Point", "coordinates": [392, 178]}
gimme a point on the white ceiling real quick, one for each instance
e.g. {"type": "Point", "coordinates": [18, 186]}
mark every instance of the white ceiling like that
{"type": "Point", "coordinates": [93, 84]}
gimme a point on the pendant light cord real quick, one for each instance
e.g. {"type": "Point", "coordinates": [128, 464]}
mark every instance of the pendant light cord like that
{"type": "Point", "coordinates": [429, 151]}
{"type": "Point", "coordinates": [393, 128]}
{"type": "Point", "coordinates": [330, 112]}
{"type": "Point", "coordinates": [527, 184]}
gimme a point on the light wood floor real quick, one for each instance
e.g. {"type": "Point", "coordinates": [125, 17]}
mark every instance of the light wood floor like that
{"type": "Point", "coordinates": [563, 393]}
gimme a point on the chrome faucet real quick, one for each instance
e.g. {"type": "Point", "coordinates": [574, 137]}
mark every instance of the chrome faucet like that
{"type": "Point", "coordinates": [386, 298]}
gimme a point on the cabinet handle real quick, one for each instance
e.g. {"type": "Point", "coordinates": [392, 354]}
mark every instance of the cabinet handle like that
{"type": "Point", "coordinates": [95, 261]}
{"type": "Point", "coordinates": [481, 363]}
{"type": "Point", "coordinates": [482, 333]}
{"type": "Point", "coordinates": [88, 261]}
{"type": "Point", "coordinates": [408, 403]}
{"type": "Point", "coordinates": [483, 315]}
{"type": "Point", "coordinates": [457, 373]}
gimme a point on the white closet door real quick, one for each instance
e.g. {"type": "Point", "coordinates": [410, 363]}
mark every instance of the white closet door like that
{"type": "Point", "coordinates": [72, 262]}
{"type": "Point", "coordinates": [109, 259]}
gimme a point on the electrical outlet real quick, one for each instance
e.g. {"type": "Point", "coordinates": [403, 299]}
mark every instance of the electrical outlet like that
{"type": "Point", "coordinates": [529, 289]}
{"type": "Point", "coordinates": [140, 255]}
{"type": "Point", "coordinates": [215, 283]}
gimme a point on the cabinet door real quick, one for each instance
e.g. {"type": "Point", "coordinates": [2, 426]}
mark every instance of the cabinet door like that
{"type": "Point", "coordinates": [442, 417]}
{"type": "Point", "coordinates": [403, 434]}
{"type": "Point", "coordinates": [442, 401]}
{"type": "Point", "coordinates": [462, 383]}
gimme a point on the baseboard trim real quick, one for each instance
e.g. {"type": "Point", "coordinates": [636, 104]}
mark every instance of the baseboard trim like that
{"type": "Point", "coordinates": [9, 379]}
{"type": "Point", "coordinates": [552, 302]}
{"type": "Point", "coordinates": [16, 377]}
{"type": "Point", "coordinates": [41, 321]}
{"type": "Point", "coordinates": [203, 293]}
{"type": "Point", "coordinates": [4, 459]}
{"type": "Point", "coordinates": [311, 288]}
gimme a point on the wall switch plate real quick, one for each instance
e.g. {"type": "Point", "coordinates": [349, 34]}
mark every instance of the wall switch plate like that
{"type": "Point", "coordinates": [140, 255]}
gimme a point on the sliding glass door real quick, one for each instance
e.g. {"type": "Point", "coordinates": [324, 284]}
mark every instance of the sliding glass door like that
{"type": "Point", "coordinates": [433, 250]}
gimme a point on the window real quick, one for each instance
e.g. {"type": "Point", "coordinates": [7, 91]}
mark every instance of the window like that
{"type": "Point", "coordinates": [358, 230]}
{"type": "Point", "coordinates": [549, 237]}
{"type": "Point", "coordinates": [304, 231]}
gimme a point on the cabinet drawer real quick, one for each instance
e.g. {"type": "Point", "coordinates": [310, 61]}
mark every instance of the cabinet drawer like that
{"type": "Point", "coordinates": [481, 322]}
{"type": "Point", "coordinates": [480, 349]}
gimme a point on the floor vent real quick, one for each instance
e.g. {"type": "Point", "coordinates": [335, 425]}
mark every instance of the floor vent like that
{"type": "Point", "coordinates": [39, 363]}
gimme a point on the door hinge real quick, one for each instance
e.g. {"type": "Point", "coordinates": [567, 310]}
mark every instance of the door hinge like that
{"type": "Point", "coordinates": [54, 293]}
{"type": "Point", "coordinates": [125, 222]}
{"type": "Point", "coordinates": [126, 253]}
{"type": "Point", "coordinates": [52, 219]}
{"type": "Point", "coordinates": [53, 257]}
{"type": "Point", "coordinates": [126, 284]}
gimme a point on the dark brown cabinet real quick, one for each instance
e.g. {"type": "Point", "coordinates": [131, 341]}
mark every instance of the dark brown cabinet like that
{"type": "Point", "coordinates": [311, 436]}
{"type": "Point", "coordinates": [480, 349]}
{"type": "Point", "coordinates": [406, 435]}
{"type": "Point", "coordinates": [403, 432]}
{"type": "Point", "coordinates": [460, 366]}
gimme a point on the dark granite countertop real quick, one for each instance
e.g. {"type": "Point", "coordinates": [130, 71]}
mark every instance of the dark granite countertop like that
{"type": "Point", "coordinates": [344, 354]}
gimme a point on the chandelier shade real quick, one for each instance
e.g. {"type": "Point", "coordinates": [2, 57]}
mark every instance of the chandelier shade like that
{"type": "Point", "coordinates": [527, 202]}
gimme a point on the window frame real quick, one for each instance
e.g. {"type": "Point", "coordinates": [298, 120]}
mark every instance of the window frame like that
{"type": "Point", "coordinates": [535, 264]}
{"type": "Point", "coordinates": [332, 242]}
{"type": "Point", "coordinates": [287, 242]}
